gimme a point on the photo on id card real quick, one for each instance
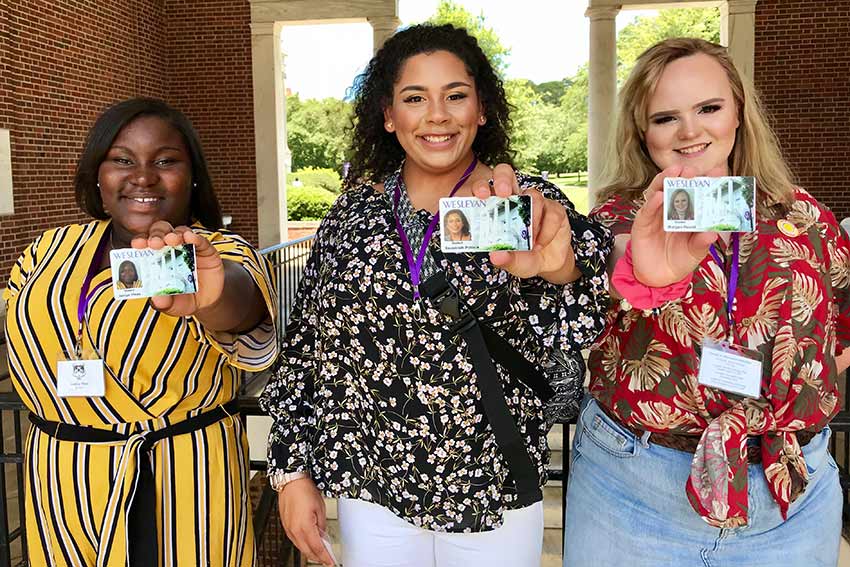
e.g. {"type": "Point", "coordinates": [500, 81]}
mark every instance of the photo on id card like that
{"type": "Point", "coordinates": [698, 204]}
{"type": "Point", "coordinates": [469, 224]}
{"type": "Point", "coordinates": [147, 273]}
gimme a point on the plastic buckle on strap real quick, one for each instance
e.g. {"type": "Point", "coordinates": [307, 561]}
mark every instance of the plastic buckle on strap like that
{"type": "Point", "coordinates": [450, 305]}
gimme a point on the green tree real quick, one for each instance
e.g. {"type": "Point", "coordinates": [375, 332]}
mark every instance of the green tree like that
{"type": "Point", "coordinates": [567, 151]}
{"type": "Point", "coordinates": [551, 91]}
{"type": "Point", "coordinates": [526, 121]}
{"type": "Point", "coordinates": [317, 132]}
{"type": "Point", "coordinates": [645, 31]}
{"type": "Point", "coordinates": [450, 12]}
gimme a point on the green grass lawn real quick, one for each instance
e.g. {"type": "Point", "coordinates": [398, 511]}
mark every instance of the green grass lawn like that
{"type": "Point", "coordinates": [578, 195]}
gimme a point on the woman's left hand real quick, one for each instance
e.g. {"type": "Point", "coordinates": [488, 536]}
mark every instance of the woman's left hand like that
{"type": "Point", "coordinates": [552, 254]}
{"type": "Point", "coordinates": [208, 263]}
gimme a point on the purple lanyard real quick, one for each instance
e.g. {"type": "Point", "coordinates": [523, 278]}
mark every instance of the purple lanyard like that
{"type": "Point", "coordinates": [733, 281]}
{"type": "Point", "coordinates": [415, 265]}
{"type": "Point", "coordinates": [85, 296]}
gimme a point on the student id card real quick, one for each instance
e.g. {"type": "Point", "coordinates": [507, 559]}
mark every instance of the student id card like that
{"type": "Point", "coordinates": [731, 368]}
{"type": "Point", "coordinates": [80, 376]}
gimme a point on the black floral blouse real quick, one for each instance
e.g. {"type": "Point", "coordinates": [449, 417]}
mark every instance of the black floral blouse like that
{"type": "Point", "coordinates": [381, 404]}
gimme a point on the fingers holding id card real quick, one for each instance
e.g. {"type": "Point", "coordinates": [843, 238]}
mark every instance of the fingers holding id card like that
{"type": "Point", "coordinates": [205, 284]}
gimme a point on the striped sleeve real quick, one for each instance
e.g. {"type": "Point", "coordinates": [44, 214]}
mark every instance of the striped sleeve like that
{"type": "Point", "coordinates": [256, 349]}
{"type": "Point", "coordinates": [21, 271]}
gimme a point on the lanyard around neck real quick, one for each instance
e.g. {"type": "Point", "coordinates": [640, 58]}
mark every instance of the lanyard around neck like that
{"type": "Point", "coordinates": [732, 273]}
{"type": "Point", "coordinates": [415, 264]}
{"type": "Point", "coordinates": [85, 296]}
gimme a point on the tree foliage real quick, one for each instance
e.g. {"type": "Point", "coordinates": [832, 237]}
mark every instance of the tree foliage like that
{"type": "Point", "coordinates": [317, 132]}
{"type": "Point", "coordinates": [308, 202]}
{"type": "Point", "coordinates": [645, 31]}
{"type": "Point", "coordinates": [450, 12]}
{"type": "Point", "coordinates": [549, 120]}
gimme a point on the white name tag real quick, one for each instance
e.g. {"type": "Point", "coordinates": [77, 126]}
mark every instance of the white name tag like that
{"type": "Point", "coordinates": [77, 378]}
{"type": "Point", "coordinates": [731, 368]}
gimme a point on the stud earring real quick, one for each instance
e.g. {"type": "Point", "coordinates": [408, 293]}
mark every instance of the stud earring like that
{"type": "Point", "coordinates": [482, 120]}
{"type": "Point", "coordinates": [98, 184]}
{"type": "Point", "coordinates": [389, 125]}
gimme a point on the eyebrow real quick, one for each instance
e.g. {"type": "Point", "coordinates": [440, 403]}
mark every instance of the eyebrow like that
{"type": "Point", "coordinates": [447, 87]}
{"type": "Point", "coordinates": [126, 149]}
{"type": "Point", "coordinates": [697, 105]}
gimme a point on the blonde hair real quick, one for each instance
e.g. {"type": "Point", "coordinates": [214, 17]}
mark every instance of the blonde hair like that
{"type": "Point", "coordinates": [629, 168]}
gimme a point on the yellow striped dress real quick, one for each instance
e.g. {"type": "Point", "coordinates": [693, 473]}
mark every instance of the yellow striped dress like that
{"type": "Point", "coordinates": [159, 370]}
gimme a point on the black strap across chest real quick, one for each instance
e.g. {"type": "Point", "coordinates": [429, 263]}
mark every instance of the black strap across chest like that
{"type": "Point", "coordinates": [485, 346]}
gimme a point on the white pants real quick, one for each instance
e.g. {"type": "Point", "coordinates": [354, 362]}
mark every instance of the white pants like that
{"type": "Point", "coordinates": [372, 536]}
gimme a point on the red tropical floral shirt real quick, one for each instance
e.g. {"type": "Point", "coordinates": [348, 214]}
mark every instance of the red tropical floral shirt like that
{"type": "Point", "coordinates": [792, 304]}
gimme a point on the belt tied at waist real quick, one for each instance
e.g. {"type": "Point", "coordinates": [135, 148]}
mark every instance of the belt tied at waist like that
{"type": "Point", "coordinates": [717, 485]}
{"type": "Point", "coordinates": [688, 443]}
{"type": "Point", "coordinates": [133, 492]}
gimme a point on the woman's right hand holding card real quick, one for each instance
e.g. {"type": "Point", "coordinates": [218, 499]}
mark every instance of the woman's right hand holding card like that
{"type": "Point", "coordinates": [663, 258]}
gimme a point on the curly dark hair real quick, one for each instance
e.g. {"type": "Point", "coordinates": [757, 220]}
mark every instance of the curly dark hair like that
{"type": "Point", "coordinates": [203, 203]}
{"type": "Point", "coordinates": [375, 152]}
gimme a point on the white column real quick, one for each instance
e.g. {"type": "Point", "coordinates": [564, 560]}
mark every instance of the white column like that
{"type": "Point", "coordinates": [282, 135]}
{"type": "Point", "coordinates": [602, 101]}
{"type": "Point", "coordinates": [738, 32]}
{"type": "Point", "coordinates": [382, 28]}
{"type": "Point", "coordinates": [269, 132]}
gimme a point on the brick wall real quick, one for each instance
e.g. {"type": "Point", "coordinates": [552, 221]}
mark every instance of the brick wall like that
{"type": "Point", "coordinates": [209, 70]}
{"type": "Point", "coordinates": [802, 69]}
{"type": "Point", "coordinates": [62, 63]}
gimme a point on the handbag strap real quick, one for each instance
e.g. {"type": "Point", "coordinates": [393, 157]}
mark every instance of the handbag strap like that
{"type": "Point", "coordinates": [508, 438]}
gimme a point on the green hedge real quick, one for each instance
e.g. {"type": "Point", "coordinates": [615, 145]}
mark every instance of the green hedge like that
{"type": "Point", "coordinates": [308, 202]}
{"type": "Point", "coordinates": [324, 178]}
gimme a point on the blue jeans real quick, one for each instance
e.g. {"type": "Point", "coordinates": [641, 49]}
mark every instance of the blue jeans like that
{"type": "Point", "coordinates": [626, 505]}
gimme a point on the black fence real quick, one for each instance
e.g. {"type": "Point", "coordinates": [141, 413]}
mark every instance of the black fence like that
{"type": "Point", "coordinates": [288, 260]}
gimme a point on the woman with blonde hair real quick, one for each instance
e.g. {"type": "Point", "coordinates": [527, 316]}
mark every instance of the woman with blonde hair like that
{"type": "Point", "coordinates": [681, 206]}
{"type": "Point", "coordinates": [704, 439]}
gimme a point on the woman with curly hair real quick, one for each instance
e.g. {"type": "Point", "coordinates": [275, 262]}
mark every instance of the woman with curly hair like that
{"type": "Point", "coordinates": [381, 398]}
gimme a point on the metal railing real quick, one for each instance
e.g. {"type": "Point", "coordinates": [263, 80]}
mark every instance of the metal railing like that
{"type": "Point", "coordinates": [288, 260]}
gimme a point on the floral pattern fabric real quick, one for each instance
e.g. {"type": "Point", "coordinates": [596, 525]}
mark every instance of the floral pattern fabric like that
{"type": "Point", "coordinates": [378, 401]}
{"type": "Point", "coordinates": [792, 305]}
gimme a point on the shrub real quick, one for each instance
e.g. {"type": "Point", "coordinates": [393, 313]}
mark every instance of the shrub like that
{"type": "Point", "coordinates": [318, 177]}
{"type": "Point", "coordinates": [308, 202]}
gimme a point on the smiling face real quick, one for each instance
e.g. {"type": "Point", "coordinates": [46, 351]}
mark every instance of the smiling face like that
{"type": "Point", "coordinates": [127, 273]}
{"type": "Point", "coordinates": [454, 224]}
{"type": "Point", "coordinates": [435, 112]}
{"type": "Point", "coordinates": [145, 177]}
{"type": "Point", "coordinates": [681, 202]}
{"type": "Point", "coordinates": [692, 116]}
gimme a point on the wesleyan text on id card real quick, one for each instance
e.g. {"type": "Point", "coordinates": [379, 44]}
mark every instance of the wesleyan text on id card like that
{"type": "Point", "coordinates": [697, 204]}
{"type": "Point", "coordinates": [146, 272]}
{"type": "Point", "coordinates": [469, 224]}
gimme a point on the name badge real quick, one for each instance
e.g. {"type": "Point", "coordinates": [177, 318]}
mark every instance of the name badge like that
{"type": "Point", "coordinates": [80, 378]}
{"type": "Point", "coordinates": [731, 368]}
